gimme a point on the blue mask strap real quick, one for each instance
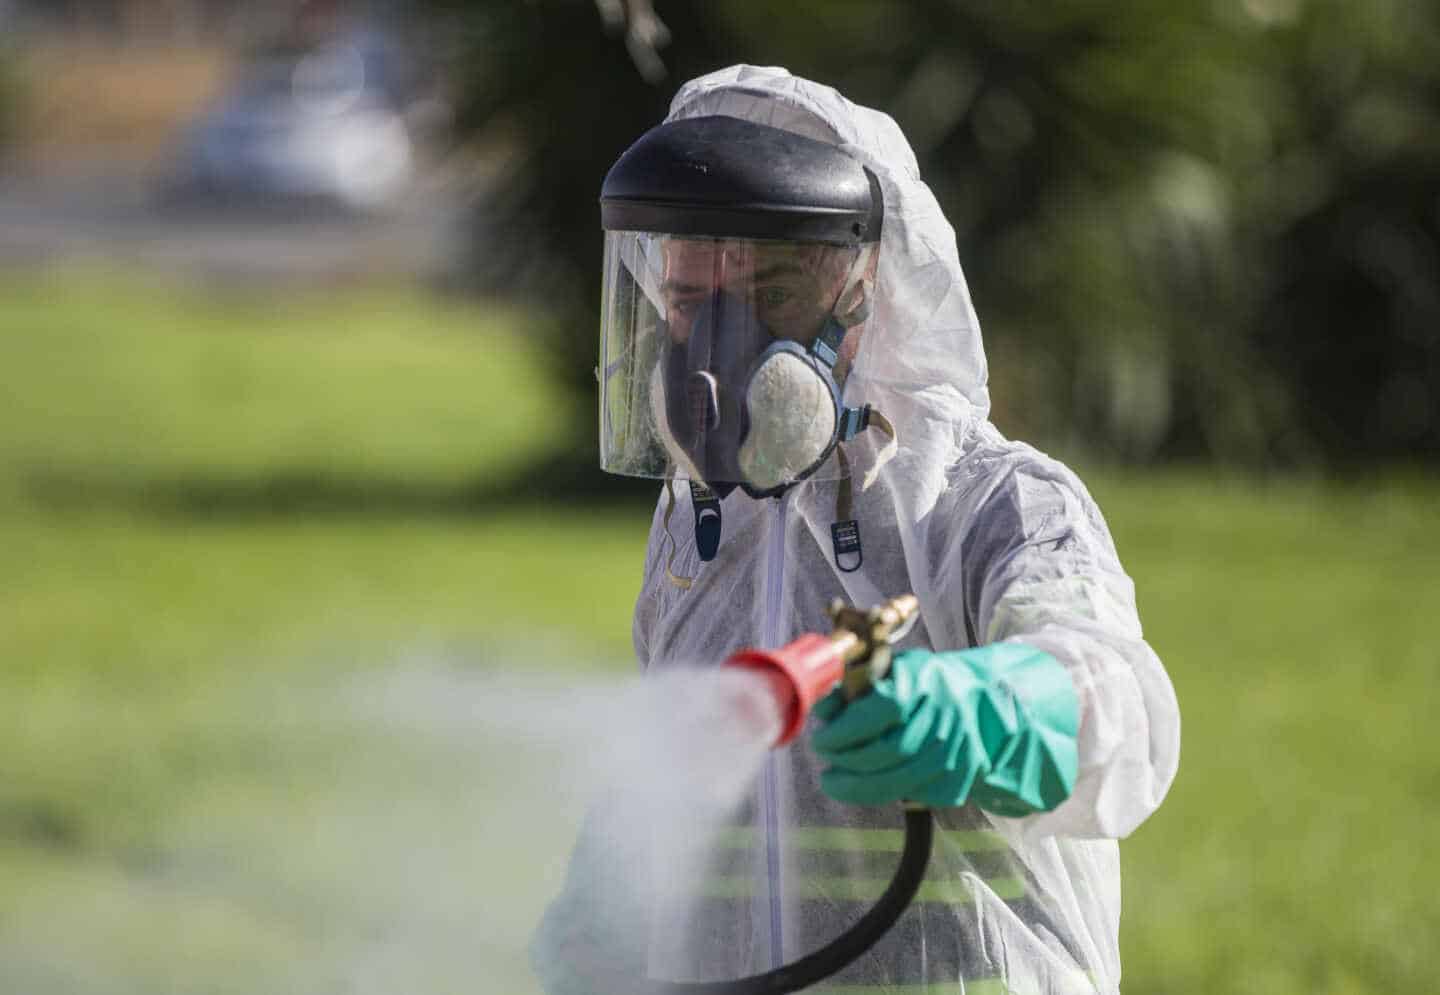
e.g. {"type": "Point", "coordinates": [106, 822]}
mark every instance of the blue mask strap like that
{"type": "Point", "coordinates": [826, 348]}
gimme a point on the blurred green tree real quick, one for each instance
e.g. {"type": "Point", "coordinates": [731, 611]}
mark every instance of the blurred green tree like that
{"type": "Point", "coordinates": [1207, 232]}
{"type": "Point", "coordinates": [1345, 211]}
{"type": "Point", "coordinates": [9, 97]}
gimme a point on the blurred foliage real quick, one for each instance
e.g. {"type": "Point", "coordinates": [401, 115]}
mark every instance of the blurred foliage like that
{"type": "Point", "coordinates": [1209, 231]}
{"type": "Point", "coordinates": [10, 96]}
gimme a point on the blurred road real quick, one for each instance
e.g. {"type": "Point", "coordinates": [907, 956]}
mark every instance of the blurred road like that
{"type": "Point", "coordinates": [111, 213]}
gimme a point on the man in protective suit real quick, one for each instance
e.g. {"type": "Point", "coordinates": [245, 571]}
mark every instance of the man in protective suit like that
{"type": "Point", "coordinates": [789, 343]}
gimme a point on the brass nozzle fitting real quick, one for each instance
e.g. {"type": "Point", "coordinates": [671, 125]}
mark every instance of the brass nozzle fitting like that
{"type": "Point", "coordinates": [864, 639]}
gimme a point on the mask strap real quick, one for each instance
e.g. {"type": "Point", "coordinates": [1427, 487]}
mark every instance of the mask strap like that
{"type": "Point", "coordinates": [843, 315]}
{"type": "Point", "coordinates": [845, 530]}
{"type": "Point", "coordinates": [826, 349]}
{"type": "Point", "coordinates": [826, 346]}
{"type": "Point", "coordinates": [681, 582]}
{"type": "Point", "coordinates": [853, 421]}
{"type": "Point", "coordinates": [887, 453]}
{"type": "Point", "coordinates": [849, 315]}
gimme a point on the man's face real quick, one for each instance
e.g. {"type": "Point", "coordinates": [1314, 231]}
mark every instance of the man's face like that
{"type": "Point", "coordinates": [790, 288]}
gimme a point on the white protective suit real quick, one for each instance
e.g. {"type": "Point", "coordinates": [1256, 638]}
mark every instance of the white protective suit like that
{"type": "Point", "coordinates": [998, 542]}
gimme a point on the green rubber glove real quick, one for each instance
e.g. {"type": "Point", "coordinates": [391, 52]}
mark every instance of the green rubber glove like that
{"type": "Point", "coordinates": [994, 726]}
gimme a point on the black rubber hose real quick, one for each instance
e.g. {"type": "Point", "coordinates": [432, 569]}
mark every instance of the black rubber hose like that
{"type": "Point", "coordinates": [919, 835]}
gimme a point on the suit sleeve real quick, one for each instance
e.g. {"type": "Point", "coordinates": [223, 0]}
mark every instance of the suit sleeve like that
{"type": "Point", "coordinates": [1041, 569]}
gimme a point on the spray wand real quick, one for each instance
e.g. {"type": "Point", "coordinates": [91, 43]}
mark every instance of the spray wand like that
{"type": "Point", "coordinates": [854, 655]}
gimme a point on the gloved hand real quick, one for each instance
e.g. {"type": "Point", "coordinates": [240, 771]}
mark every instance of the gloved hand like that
{"type": "Point", "coordinates": [994, 725]}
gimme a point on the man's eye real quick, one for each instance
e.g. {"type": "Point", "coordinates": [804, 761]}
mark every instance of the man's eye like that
{"type": "Point", "coordinates": [773, 296]}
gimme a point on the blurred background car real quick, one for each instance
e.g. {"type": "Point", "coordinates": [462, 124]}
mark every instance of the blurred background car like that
{"type": "Point", "coordinates": [325, 128]}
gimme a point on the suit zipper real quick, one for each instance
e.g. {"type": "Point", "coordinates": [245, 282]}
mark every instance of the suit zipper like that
{"type": "Point", "coordinates": [769, 796]}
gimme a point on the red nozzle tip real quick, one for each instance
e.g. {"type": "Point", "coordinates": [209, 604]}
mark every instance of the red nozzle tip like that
{"type": "Point", "coordinates": [800, 673]}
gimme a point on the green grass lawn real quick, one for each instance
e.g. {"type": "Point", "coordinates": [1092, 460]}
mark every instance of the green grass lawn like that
{"type": "Point", "coordinates": [1298, 626]}
{"type": "Point", "coordinates": [218, 515]}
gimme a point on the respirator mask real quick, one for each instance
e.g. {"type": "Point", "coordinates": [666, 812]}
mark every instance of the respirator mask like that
{"type": "Point", "coordinates": [739, 266]}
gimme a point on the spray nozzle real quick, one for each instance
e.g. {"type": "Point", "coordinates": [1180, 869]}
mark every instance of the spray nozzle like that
{"type": "Point", "coordinates": [854, 655]}
{"type": "Point", "coordinates": [866, 638]}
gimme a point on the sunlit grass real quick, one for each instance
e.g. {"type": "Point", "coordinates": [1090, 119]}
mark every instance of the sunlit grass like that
{"type": "Point", "coordinates": [104, 379]}
{"type": "Point", "coordinates": [1296, 622]}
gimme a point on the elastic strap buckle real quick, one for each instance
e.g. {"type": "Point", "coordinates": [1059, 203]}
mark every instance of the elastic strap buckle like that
{"type": "Point", "coordinates": [845, 538]}
{"type": "Point", "coordinates": [853, 421]}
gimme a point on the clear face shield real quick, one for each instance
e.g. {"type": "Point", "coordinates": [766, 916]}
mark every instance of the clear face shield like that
{"type": "Point", "coordinates": [722, 361]}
